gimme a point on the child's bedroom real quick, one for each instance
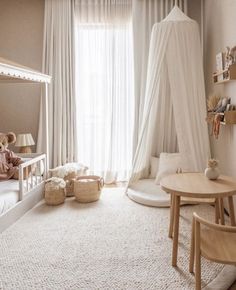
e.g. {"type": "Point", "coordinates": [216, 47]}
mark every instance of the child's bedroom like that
{"type": "Point", "coordinates": [117, 144]}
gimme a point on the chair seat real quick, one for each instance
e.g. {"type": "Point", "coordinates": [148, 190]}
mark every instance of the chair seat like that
{"type": "Point", "coordinates": [218, 246]}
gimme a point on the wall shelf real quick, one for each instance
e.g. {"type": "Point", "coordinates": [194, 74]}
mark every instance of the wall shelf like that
{"type": "Point", "coordinates": [225, 75]}
{"type": "Point", "coordinates": [228, 117]}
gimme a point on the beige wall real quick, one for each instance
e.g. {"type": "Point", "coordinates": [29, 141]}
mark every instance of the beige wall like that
{"type": "Point", "coordinates": [21, 40]}
{"type": "Point", "coordinates": [219, 32]}
{"type": "Point", "coordinates": [194, 11]}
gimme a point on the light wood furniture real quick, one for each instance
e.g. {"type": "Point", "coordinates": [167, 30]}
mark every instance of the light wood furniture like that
{"type": "Point", "coordinates": [214, 242]}
{"type": "Point", "coordinates": [219, 209]}
{"type": "Point", "coordinates": [225, 75]}
{"type": "Point", "coordinates": [196, 185]}
{"type": "Point", "coordinates": [228, 117]}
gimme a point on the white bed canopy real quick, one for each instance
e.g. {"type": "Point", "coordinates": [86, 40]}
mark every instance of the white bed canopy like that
{"type": "Point", "coordinates": [175, 104]}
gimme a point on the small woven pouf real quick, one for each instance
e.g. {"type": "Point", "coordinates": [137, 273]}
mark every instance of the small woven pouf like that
{"type": "Point", "coordinates": [88, 188]}
{"type": "Point", "coordinates": [55, 191]}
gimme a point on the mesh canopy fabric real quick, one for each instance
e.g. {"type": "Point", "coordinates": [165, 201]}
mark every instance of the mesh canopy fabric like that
{"type": "Point", "coordinates": [175, 104]}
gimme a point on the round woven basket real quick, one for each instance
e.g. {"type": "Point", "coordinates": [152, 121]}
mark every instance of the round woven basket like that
{"type": "Point", "coordinates": [88, 188]}
{"type": "Point", "coordinates": [54, 191]}
{"type": "Point", "coordinates": [54, 197]}
{"type": "Point", "coordinates": [69, 179]}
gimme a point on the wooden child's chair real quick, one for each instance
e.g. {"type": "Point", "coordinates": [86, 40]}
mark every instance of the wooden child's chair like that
{"type": "Point", "coordinates": [212, 241]}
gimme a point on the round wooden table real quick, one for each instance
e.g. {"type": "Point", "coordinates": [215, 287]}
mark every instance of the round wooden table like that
{"type": "Point", "coordinates": [195, 185]}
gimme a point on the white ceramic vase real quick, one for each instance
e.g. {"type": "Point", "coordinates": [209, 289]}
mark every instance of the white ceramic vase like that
{"type": "Point", "coordinates": [212, 173]}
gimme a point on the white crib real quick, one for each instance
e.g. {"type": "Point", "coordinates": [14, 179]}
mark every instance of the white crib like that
{"type": "Point", "coordinates": [18, 196]}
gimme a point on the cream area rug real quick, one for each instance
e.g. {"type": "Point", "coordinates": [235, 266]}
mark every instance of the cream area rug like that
{"type": "Point", "coordinates": [110, 244]}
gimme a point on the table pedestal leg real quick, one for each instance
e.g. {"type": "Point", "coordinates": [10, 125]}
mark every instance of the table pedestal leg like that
{"type": "Point", "coordinates": [231, 210]}
{"type": "Point", "coordinates": [172, 207]}
{"type": "Point", "coordinates": [176, 230]}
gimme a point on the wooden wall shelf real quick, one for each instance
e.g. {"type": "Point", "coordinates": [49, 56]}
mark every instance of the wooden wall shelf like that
{"type": "Point", "coordinates": [225, 75]}
{"type": "Point", "coordinates": [228, 117]}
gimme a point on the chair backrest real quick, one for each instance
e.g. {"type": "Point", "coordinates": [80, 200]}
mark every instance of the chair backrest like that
{"type": "Point", "coordinates": [213, 226]}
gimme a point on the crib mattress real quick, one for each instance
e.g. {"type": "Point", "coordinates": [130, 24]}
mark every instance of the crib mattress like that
{"type": "Point", "coordinates": [9, 194]}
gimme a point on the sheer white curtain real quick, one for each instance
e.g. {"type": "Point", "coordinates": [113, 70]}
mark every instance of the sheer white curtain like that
{"type": "Point", "coordinates": [104, 86]}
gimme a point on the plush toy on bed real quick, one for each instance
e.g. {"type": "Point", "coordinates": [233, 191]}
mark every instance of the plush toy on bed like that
{"type": "Point", "coordinates": [9, 162]}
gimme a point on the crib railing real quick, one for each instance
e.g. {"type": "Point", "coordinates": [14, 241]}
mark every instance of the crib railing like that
{"type": "Point", "coordinates": [32, 173]}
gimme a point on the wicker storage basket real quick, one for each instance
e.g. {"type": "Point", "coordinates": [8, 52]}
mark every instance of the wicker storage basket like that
{"type": "Point", "coordinates": [69, 179]}
{"type": "Point", "coordinates": [54, 191]}
{"type": "Point", "coordinates": [88, 188]}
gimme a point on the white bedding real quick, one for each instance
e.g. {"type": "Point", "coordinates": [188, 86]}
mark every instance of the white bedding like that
{"type": "Point", "coordinates": [9, 194]}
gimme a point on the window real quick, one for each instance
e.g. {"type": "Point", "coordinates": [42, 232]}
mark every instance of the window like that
{"type": "Point", "coordinates": [105, 98]}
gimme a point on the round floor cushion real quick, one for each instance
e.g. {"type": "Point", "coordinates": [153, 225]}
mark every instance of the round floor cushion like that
{"type": "Point", "coordinates": [147, 192]}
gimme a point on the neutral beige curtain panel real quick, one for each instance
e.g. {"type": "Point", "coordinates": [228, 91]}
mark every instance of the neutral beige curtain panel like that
{"type": "Point", "coordinates": [58, 61]}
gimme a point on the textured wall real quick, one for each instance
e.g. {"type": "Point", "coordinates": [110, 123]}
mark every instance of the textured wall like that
{"type": "Point", "coordinates": [21, 40]}
{"type": "Point", "coordinates": [219, 32]}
